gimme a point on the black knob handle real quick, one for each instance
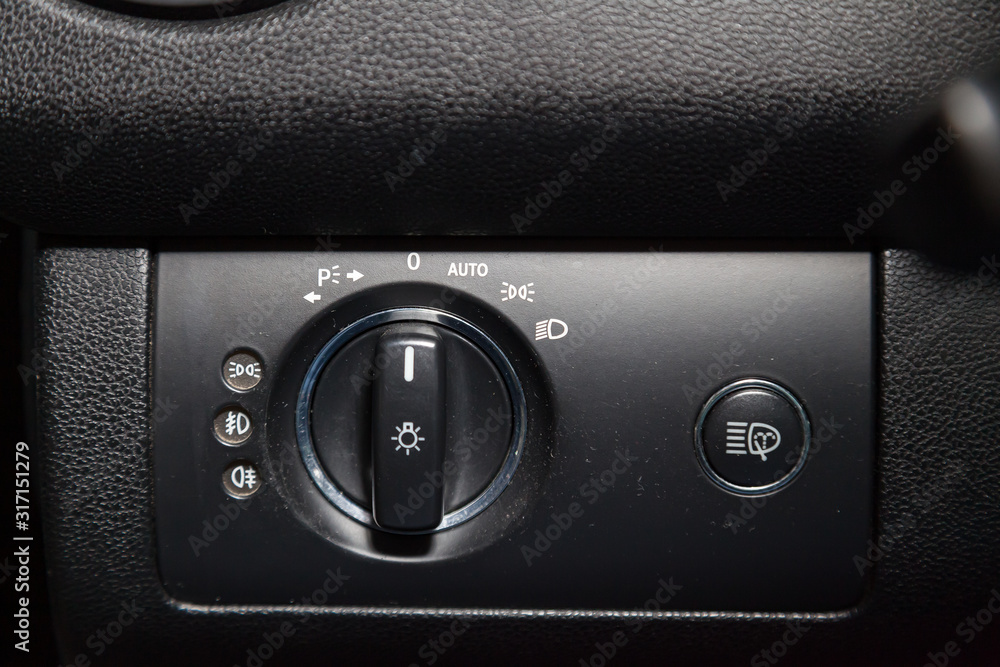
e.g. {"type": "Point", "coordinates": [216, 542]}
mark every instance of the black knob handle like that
{"type": "Point", "coordinates": [413, 422]}
{"type": "Point", "coordinates": [408, 429]}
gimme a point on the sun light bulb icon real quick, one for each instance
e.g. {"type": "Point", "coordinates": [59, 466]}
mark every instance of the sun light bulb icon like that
{"type": "Point", "coordinates": [407, 433]}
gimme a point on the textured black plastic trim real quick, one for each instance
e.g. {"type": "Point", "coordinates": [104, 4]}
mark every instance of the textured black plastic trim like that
{"type": "Point", "coordinates": [566, 117]}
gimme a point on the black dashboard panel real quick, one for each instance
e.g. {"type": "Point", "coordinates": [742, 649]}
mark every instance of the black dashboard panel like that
{"type": "Point", "coordinates": [616, 350]}
{"type": "Point", "coordinates": [346, 116]}
{"type": "Point", "coordinates": [937, 469]}
{"type": "Point", "coordinates": [741, 127]}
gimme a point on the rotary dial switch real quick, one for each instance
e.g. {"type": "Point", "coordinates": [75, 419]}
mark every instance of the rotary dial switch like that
{"type": "Point", "coordinates": [413, 424]}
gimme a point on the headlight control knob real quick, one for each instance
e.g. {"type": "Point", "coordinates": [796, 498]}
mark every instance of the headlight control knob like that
{"type": "Point", "coordinates": [411, 420]}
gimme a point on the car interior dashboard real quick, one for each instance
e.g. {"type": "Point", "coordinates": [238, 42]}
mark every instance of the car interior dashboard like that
{"type": "Point", "coordinates": [385, 332]}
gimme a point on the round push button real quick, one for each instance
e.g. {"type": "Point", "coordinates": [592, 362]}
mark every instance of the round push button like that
{"type": "Point", "coordinates": [752, 437]}
{"type": "Point", "coordinates": [242, 371]}
{"type": "Point", "coordinates": [241, 479]}
{"type": "Point", "coordinates": [232, 425]}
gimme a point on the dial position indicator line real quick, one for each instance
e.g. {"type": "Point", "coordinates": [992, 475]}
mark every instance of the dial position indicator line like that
{"type": "Point", "coordinates": [408, 364]}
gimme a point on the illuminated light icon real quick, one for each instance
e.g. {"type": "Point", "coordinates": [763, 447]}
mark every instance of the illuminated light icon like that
{"type": "Point", "coordinates": [757, 438]}
{"type": "Point", "coordinates": [242, 370]}
{"type": "Point", "coordinates": [243, 477]}
{"type": "Point", "coordinates": [237, 423]}
{"type": "Point", "coordinates": [331, 274]}
{"type": "Point", "coordinates": [232, 425]}
{"type": "Point", "coordinates": [408, 364]}
{"type": "Point", "coordinates": [511, 292]}
{"type": "Point", "coordinates": [237, 370]}
{"type": "Point", "coordinates": [407, 432]}
{"type": "Point", "coordinates": [552, 329]}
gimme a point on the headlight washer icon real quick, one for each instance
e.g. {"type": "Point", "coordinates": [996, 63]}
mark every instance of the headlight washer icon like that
{"type": "Point", "coordinates": [759, 439]}
{"type": "Point", "coordinates": [752, 437]}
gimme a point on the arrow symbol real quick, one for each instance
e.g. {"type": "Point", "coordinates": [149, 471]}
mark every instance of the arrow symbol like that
{"type": "Point", "coordinates": [355, 275]}
{"type": "Point", "coordinates": [312, 297]}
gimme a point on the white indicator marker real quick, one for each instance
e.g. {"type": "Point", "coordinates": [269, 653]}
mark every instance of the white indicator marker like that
{"type": "Point", "coordinates": [408, 364]}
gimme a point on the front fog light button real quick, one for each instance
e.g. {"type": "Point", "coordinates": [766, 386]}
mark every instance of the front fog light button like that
{"type": "Point", "coordinates": [752, 437]}
{"type": "Point", "coordinates": [233, 425]}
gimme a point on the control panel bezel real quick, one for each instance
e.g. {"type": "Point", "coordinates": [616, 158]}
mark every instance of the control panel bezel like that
{"type": "Point", "coordinates": [617, 350]}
